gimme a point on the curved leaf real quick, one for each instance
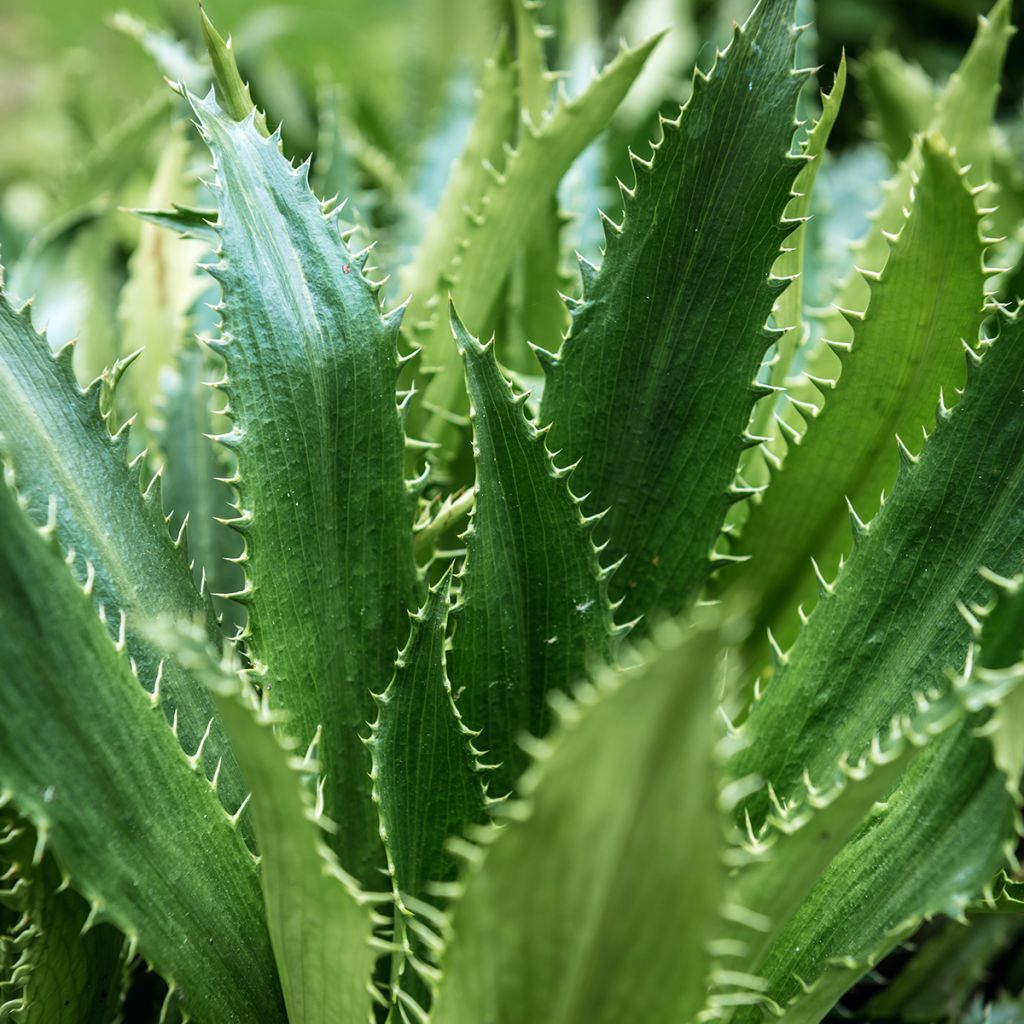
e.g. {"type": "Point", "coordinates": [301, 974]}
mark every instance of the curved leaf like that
{"type": "Point", "coordinates": [131, 820]}
{"type": "Point", "coordinates": [312, 367]}
{"type": "Point", "coordinates": [652, 389]}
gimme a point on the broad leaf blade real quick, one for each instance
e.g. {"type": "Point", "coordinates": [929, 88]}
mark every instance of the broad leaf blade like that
{"type": "Point", "coordinates": [574, 914]}
{"type": "Point", "coordinates": [63, 454]}
{"type": "Point", "coordinates": [520, 633]}
{"type": "Point", "coordinates": [311, 377]}
{"type": "Point", "coordinates": [652, 388]}
{"type": "Point", "coordinates": [92, 764]}
{"type": "Point", "coordinates": [319, 927]}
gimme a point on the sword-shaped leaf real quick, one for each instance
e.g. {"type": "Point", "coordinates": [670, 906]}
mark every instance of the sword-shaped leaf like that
{"type": "Point", "coordinates": [428, 781]}
{"type": "Point", "coordinates": [57, 972]}
{"type": "Point", "coordinates": [312, 367]}
{"type": "Point", "coordinates": [90, 762]}
{"type": "Point", "coordinates": [508, 211]}
{"type": "Point", "coordinates": [888, 627]}
{"type": "Point", "coordinates": [595, 902]}
{"type": "Point", "coordinates": [652, 389]}
{"type": "Point", "coordinates": [320, 925]}
{"type": "Point", "coordinates": [70, 469]}
{"type": "Point", "coordinates": [928, 300]}
{"type": "Point", "coordinates": [534, 607]}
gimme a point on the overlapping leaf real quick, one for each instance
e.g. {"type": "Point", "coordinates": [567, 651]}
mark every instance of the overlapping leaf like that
{"type": "Point", "coordinates": [70, 469]}
{"type": "Point", "coordinates": [927, 302]}
{"type": "Point", "coordinates": [312, 367]}
{"type": "Point", "coordinates": [534, 606]}
{"type": "Point", "coordinates": [595, 902]}
{"type": "Point", "coordinates": [130, 818]}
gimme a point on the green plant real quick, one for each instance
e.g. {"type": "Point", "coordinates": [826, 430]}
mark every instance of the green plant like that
{"type": "Point", "coordinates": [607, 771]}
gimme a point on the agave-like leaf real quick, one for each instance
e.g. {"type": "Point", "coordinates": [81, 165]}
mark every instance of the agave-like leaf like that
{"type": "Point", "coordinates": [56, 971]}
{"type": "Point", "coordinates": [312, 367]}
{"type": "Point", "coordinates": [320, 924]}
{"type": "Point", "coordinates": [492, 234]}
{"type": "Point", "coordinates": [427, 776]}
{"type": "Point", "coordinates": [89, 760]}
{"type": "Point", "coordinates": [520, 634]}
{"type": "Point", "coordinates": [595, 902]}
{"type": "Point", "coordinates": [71, 471]}
{"type": "Point", "coordinates": [941, 835]}
{"type": "Point", "coordinates": [927, 301]}
{"type": "Point", "coordinates": [955, 507]}
{"type": "Point", "coordinates": [653, 387]}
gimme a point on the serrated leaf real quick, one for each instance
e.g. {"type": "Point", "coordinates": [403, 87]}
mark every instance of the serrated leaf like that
{"type": "Point", "coordinates": [941, 835]}
{"type": "Point", "coordinates": [1002, 646]}
{"type": "Point", "coordinates": [193, 488]}
{"type": "Point", "coordinates": [520, 633]}
{"type": "Point", "coordinates": [311, 378]}
{"type": "Point", "coordinates": [70, 469]}
{"type": "Point", "coordinates": [956, 507]}
{"type": "Point", "coordinates": [945, 970]}
{"type": "Point", "coordinates": [319, 926]}
{"type": "Point", "coordinates": [88, 757]}
{"type": "Point", "coordinates": [933, 845]}
{"type": "Point", "coordinates": [57, 973]}
{"type": "Point", "coordinates": [790, 312]}
{"type": "Point", "coordinates": [507, 214]}
{"type": "Point", "coordinates": [928, 301]}
{"type": "Point", "coordinates": [188, 221]}
{"type": "Point", "coordinates": [428, 781]}
{"type": "Point", "coordinates": [670, 333]}
{"type": "Point", "coordinates": [573, 913]}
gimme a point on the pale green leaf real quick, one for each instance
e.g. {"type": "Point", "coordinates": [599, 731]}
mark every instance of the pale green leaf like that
{"type": "Point", "coordinates": [594, 903]}
{"type": "Point", "coordinates": [320, 926]}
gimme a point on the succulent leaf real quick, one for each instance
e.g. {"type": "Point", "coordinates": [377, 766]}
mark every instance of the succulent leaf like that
{"type": "Point", "coordinates": [73, 473]}
{"type": "Point", "coordinates": [515, 640]}
{"type": "Point", "coordinates": [700, 234]}
{"type": "Point", "coordinates": [572, 912]}
{"type": "Point", "coordinates": [908, 347]}
{"type": "Point", "coordinates": [427, 779]}
{"type": "Point", "coordinates": [320, 926]}
{"type": "Point", "coordinates": [312, 367]}
{"type": "Point", "coordinates": [508, 213]}
{"type": "Point", "coordinates": [88, 758]}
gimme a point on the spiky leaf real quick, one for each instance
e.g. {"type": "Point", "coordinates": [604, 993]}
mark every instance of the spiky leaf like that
{"type": "Point", "coordinates": [927, 302]}
{"type": "Point", "coordinates": [670, 333]}
{"type": "Point", "coordinates": [70, 469]}
{"type": "Point", "coordinates": [311, 375]}
{"type": "Point", "coordinates": [319, 926]}
{"type": "Point", "coordinates": [573, 914]}
{"type": "Point", "coordinates": [508, 212]}
{"type": "Point", "coordinates": [427, 778]}
{"type": "Point", "coordinates": [88, 758]}
{"type": "Point", "coordinates": [520, 634]}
